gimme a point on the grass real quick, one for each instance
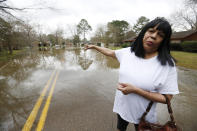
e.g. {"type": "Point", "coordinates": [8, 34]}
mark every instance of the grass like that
{"type": "Point", "coordinates": [4, 56]}
{"type": "Point", "coordinates": [185, 59]}
{"type": "Point", "coordinates": [115, 47]}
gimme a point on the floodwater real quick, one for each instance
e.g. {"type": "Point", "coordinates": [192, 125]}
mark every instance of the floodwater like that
{"type": "Point", "coordinates": [83, 95]}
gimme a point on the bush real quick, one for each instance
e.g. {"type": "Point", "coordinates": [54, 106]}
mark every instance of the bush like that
{"type": "Point", "coordinates": [124, 45]}
{"type": "Point", "coordinates": [189, 46]}
{"type": "Point", "coordinates": [98, 44]}
{"type": "Point", "coordinates": [175, 47]}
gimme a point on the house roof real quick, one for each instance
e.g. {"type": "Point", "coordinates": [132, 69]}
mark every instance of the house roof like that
{"type": "Point", "coordinates": [182, 34]}
{"type": "Point", "coordinates": [131, 39]}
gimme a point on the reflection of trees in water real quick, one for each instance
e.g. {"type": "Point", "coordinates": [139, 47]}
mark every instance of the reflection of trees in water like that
{"type": "Point", "coordinates": [84, 62]}
{"type": "Point", "coordinates": [57, 56]}
{"type": "Point", "coordinates": [77, 56]}
{"type": "Point", "coordinates": [104, 62]}
{"type": "Point", "coordinates": [112, 63]}
{"type": "Point", "coordinates": [20, 68]}
{"type": "Point", "coordinates": [81, 59]}
{"type": "Point", "coordinates": [85, 59]}
{"type": "Point", "coordinates": [13, 106]}
{"type": "Point", "coordinates": [13, 109]}
{"type": "Point", "coordinates": [13, 103]}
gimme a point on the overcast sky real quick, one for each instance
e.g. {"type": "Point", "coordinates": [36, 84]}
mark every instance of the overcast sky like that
{"type": "Point", "coordinates": [96, 12]}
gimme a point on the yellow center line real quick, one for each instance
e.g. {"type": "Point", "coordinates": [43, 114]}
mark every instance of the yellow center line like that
{"type": "Point", "coordinates": [32, 116]}
{"type": "Point", "coordinates": [46, 107]}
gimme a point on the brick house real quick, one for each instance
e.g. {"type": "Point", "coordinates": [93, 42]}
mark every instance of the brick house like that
{"type": "Point", "coordinates": [178, 37]}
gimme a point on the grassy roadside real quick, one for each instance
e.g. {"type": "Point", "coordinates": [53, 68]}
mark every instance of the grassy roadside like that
{"type": "Point", "coordinates": [185, 59]}
{"type": "Point", "coordinates": [115, 48]}
{"type": "Point", "coordinates": [4, 56]}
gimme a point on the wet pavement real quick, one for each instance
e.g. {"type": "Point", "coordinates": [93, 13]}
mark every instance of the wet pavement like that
{"type": "Point", "coordinates": [83, 96]}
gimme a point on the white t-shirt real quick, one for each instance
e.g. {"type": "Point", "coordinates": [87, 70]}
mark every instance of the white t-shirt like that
{"type": "Point", "coordinates": [147, 74]}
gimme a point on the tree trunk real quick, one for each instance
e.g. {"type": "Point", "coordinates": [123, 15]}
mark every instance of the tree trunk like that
{"type": "Point", "coordinates": [9, 47]}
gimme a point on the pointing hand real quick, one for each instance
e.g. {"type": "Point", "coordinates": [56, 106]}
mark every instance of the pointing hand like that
{"type": "Point", "coordinates": [88, 46]}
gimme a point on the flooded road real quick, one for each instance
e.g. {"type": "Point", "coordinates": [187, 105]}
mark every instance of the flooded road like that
{"type": "Point", "coordinates": [75, 90]}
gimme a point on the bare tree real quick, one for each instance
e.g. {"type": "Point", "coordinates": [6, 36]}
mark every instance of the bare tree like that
{"type": "Point", "coordinates": [16, 33]}
{"type": "Point", "coordinates": [99, 35]}
{"type": "Point", "coordinates": [5, 8]}
{"type": "Point", "coordinates": [6, 32]}
{"type": "Point", "coordinates": [186, 18]}
{"type": "Point", "coordinates": [72, 29]}
{"type": "Point", "coordinates": [75, 35]}
{"type": "Point", "coordinates": [58, 36]}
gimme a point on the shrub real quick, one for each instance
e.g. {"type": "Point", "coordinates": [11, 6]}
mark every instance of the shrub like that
{"type": "Point", "coordinates": [175, 47]}
{"type": "Point", "coordinates": [98, 44]}
{"type": "Point", "coordinates": [124, 45]}
{"type": "Point", "coordinates": [189, 46]}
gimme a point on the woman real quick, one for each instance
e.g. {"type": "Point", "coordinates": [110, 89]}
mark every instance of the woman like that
{"type": "Point", "coordinates": [147, 71]}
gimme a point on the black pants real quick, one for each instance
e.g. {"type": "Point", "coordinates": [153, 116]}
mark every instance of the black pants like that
{"type": "Point", "coordinates": [122, 124]}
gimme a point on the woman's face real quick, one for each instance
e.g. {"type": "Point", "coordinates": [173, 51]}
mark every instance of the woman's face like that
{"type": "Point", "coordinates": [152, 39]}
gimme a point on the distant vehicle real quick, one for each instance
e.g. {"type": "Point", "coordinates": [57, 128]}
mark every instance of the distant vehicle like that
{"type": "Point", "coordinates": [57, 46]}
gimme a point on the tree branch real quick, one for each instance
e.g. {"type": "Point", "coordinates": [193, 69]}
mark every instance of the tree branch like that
{"type": "Point", "coordinates": [11, 8]}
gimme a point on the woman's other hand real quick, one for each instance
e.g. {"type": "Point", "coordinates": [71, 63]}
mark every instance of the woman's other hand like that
{"type": "Point", "coordinates": [153, 96]}
{"type": "Point", "coordinates": [126, 88]}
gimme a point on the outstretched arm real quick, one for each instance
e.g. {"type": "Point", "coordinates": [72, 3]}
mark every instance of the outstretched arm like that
{"type": "Point", "coordinates": [105, 51]}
